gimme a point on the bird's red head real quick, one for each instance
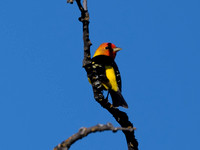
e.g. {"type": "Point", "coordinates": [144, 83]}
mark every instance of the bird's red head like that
{"type": "Point", "coordinates": [107, 49]}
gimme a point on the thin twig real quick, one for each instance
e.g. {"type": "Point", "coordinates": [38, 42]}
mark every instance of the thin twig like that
{"type": "Point", "coordinates": [83, 132]}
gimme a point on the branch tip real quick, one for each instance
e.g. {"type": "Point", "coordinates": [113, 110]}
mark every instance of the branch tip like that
{"type": "Point", "coordinates": [70, 1]}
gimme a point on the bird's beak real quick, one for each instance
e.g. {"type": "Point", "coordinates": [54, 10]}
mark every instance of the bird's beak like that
{"type": "Point", "coordinates": [116, 49]}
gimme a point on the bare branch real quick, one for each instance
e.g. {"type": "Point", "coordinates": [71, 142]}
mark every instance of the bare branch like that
{"type": "Point", "coordinates": [83, 132]}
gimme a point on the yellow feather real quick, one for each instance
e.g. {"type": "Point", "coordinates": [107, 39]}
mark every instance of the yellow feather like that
{"type": "Point", "coordinates": [110, 74]}
{"type": "Point", "coordinates": [89, 80]}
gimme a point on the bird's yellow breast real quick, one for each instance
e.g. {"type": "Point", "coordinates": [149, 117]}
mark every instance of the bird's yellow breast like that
{"type": "Point", "coordinates": [110, 74]}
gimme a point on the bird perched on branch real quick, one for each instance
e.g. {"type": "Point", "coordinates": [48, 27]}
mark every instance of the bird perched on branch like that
{"type": "Point", "coordinates": [108, 72]}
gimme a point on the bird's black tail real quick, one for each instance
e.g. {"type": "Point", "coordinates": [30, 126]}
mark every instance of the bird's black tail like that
{"type": "Point", "coordinates": [118, 99]}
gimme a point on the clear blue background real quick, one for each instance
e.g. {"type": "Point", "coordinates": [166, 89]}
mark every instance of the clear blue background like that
{"type": "Point", "coordinates": [44, 93]}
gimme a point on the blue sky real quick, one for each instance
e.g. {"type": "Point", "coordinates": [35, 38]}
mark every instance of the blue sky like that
{"type": "Point", "coordinates": [44, 93]}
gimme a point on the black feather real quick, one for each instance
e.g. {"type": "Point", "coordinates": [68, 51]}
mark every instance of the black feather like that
{"type": "Point", "coordinates": [118, 99]}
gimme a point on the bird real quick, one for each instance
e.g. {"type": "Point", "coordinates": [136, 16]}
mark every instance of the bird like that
{"type": "Point", "coordinates": [109, 73]}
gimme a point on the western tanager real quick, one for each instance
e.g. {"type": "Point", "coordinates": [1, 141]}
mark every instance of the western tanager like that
{"type": "Point", "coordinates": [109, 73]}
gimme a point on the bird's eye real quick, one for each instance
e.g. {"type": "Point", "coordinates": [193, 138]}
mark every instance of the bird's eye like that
{"type": "Point", "coordinates": [107, 47]}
